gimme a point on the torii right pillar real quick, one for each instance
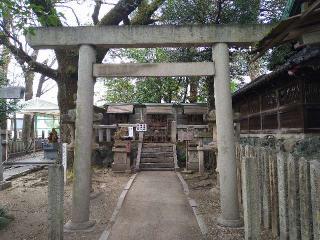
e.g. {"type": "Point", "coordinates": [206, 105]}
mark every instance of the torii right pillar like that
{"type": "Point", "coordinates": [230, 214]}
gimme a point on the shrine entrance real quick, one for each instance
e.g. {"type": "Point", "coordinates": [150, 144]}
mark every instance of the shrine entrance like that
{"type": "Point", "coordinates": [88, 39]}
{"type": "Point", "coordinates": [158, 128]}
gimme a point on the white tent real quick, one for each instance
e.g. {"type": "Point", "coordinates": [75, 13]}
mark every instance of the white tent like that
{"type": "Point", "coordinates": [37, 105]}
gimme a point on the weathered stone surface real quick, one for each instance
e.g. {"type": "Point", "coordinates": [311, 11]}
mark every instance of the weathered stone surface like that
{"type": "Point", "coordinates": [265, 187]}
{"type": "Point", "coordinates": [251, 198]}
{"type": "Point", "coordinates": [193, 159]}
{"type": "Point", "coordinates": [148, 36]}
{"type": "Point", "coordinates": [83, 142]}
{"type": "Point", "coordinates": [305, 199]}
{"type": "Point", "coordinates": [154, 69]}
{"type": "Point", "coordinates": [55, 202]}
{"type": "Point", "coordinates": [201, 161]}
{"type": "Point", "coordinates": [293, 198]}
{"type": "Point", "coordinates": [315, 196]}
{"type": "Point", "coordinates": [174, 131]}
{"type": "Point", "coordinates": [283, 195]}
{"type": "Point", "coordinates": [274, 196]}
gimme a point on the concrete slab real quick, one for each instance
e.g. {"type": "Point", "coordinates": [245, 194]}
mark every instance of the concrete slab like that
{"type": "Point", "coordinates": [17, 171]}
{"type": "Point", "coordinates": [156, 208]}
{"type": "Point", "coordinates": [135, 36]}
{"type": "Point", "coordinates": [154, 69]}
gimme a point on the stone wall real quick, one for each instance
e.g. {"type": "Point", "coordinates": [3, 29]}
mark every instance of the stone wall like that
{"type": "Point", "coordinates": [286, 173]}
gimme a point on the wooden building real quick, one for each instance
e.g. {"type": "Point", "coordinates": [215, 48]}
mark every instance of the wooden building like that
{"type": "Point", "coordinates": [284, 101]}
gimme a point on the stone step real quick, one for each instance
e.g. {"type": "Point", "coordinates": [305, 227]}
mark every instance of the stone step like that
{"type": "Point", "coordinates": [156, 165]}
{"type": "Point", "coordinates": [157, 160]}
{"type": "Point", "coordinates": [156, 149]}
{"type": "Point", "coordinates": [157, 144]}
{"type": "Point", "coordinates": [156, 154]}
{"type": "Point", "coordinates": [156, 169]}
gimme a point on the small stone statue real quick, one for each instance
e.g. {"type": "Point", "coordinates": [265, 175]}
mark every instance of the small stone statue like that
{"type": "Point", "coordinates": [53, 136]}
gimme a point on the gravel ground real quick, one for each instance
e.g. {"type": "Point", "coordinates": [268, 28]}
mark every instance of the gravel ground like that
{"type": "Point", "coordinates": [27, 202]}
{"type": "Point", "coordinates": [204, 189]}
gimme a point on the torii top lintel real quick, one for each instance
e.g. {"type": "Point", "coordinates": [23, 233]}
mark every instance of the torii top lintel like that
{"type": "Point", "coordinates": [148, 36]}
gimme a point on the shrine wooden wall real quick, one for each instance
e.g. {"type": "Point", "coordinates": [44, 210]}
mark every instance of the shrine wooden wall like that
{"type": "Point", "coordinates": [288, 104]}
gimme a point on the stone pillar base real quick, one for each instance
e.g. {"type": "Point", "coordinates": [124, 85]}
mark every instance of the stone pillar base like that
{"type": "Point", "coordinates": [79, 227]}
{"type": "Point", "coordinates": [4, 185]}
{"type": "Point", "coordinates": [229, 223]}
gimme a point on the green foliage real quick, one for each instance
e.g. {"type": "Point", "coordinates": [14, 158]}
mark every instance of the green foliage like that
{"type": "Point", "coordinates": [5, 219]}
{"type": "Point", "coordinates": [119, 90]}
{"type": "Point", "coordinates": [148, 89]}
{"type": "Point", "coordinates": [156, 90]}
{"type": "Point", "coordinates": [25, 14]}
{"type": "Point", "coordinates": [145, 90]}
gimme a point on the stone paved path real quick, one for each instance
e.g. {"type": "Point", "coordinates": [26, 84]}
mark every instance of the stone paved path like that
{"type": "Point", "coordinates": [156, 208]}
{"type": "Point", "coordinates": [11, 172]}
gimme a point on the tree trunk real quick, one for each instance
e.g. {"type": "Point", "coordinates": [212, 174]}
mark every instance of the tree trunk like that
{"type": "Point", "coordinates": [210, 86]}
{"type": "Point", "coordinates": [67, 87]}
{"type": "Point", "coordinates": [194, 81]}
{"type": "Point", "coordinates": [28, 124]}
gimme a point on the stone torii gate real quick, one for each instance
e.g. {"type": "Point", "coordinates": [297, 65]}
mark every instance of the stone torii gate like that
{"type": "Point", "coordinates": [88, 38]}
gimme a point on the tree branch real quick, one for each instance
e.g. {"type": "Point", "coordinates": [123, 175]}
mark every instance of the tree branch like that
{"type": "Point", "coordinates": [120, 11]}
{"type": "Point", "coordinates": [43, 79]}
{"type": "Point", "coordinates": [96, 11]}
{"type": "Point", "coordinates": [217, 21]}
{"type": "Point", "coordinates": [23, 57]}
{"type": "Point", "coordinates": [145, 13]}
{"type": "Point", "coordinates": [44, 9]}
{"type": "Point", "coordinates": [73, 12]}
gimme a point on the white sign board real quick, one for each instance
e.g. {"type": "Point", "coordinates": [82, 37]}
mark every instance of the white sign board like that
{"type": "Point", "coordinates": [64, 162]}
{"type": "Point", "coordinates": [141, 127]}
{"type": "Point", "coordinates": [130, 131]}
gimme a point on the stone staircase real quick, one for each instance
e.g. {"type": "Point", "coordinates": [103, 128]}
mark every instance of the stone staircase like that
{"type": "Point", "coordinates": [157, 157]}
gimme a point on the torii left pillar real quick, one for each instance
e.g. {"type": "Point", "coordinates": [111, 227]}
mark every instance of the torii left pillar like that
{"type": "Point", "coordinates": [83, 143]}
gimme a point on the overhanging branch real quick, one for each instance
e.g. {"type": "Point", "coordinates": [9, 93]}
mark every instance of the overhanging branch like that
{"type": "Point", "coordinates": [22, 56]}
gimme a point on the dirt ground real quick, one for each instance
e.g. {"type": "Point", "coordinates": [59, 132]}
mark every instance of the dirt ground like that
{"type": "Point", "coordinates": [27, 201]}
{"type": "Point", "coordinates": [203, 189]}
